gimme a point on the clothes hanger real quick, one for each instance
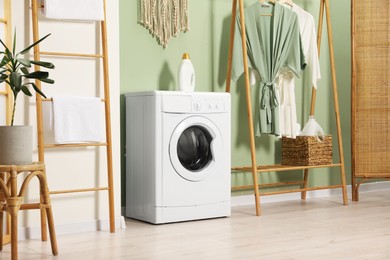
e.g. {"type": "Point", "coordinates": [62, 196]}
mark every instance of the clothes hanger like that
{"type": "Point", "coordinates": [266, 3]}
{"type": "Point", "coordinates": [288, 2]}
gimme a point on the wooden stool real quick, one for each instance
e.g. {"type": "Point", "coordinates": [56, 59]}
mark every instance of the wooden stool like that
{"type": "Point", "coordinates": [11, 201]}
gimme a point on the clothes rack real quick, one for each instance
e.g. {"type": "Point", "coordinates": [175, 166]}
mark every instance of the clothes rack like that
{"type": "Point", "coordinates": [255, 168]}
{"type": "Point", "coordinates": [107, 114]}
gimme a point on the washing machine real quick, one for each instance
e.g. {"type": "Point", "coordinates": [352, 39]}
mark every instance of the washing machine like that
{"type": "Point", "coordinates": [177, 156]}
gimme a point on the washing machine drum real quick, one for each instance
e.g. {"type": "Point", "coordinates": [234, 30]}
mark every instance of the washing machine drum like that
{"type": "Point", "coordinates": [196, 148]}
{"type": "Point", "coordinates": [193, 148]}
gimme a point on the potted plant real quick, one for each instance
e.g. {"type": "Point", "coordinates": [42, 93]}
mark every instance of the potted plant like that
{"type": "Point", "coordinates": [16, 141]}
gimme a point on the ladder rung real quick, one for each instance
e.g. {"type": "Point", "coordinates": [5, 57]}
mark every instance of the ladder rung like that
{"type": "Point", "coordinates": [51, 99]}
{"type": "Point", "coordinates": [66, 54]}
{"type": "Point", "coordinates": [4, 93]}
{"type": "Point", "coordinates": [79, 190]}
{"type": "Point", "coordinates": [2, 20]}
{"type": "Point", "coordinates": [74, 145]}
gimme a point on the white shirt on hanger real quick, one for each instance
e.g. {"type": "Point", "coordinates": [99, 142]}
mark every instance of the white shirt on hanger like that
{"type": "Point", "coordinates": [288, 116]}
{"type": "Point", "coordinates": [309, 42]}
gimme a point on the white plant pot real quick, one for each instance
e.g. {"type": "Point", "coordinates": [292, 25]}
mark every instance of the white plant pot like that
{"type": "Point", "coordinates": [16, 146]}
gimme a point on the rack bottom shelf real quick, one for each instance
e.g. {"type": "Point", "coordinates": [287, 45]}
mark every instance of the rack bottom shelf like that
{"type": "Point", "coordinates": [237, 188]}
{"type": "Point", "coordinates": [279, 167]}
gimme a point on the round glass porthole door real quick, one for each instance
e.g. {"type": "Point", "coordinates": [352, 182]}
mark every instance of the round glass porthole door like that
{"type": "Point", "coordinates": [195, 148]}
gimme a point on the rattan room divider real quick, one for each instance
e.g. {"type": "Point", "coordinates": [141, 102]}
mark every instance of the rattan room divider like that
{"type": "Point", "coordinates": [255, 168]}
{"type": "Point", "coordinates": [370, 92]}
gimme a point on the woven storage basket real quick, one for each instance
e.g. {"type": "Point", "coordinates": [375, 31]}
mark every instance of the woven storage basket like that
{"type": "Point", "coordinates": [307, 150]}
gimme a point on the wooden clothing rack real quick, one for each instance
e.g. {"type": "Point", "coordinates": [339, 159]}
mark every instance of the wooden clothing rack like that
{"type": "Point", "coordinates": [254, 168]}
{"type": "Point", "coordinates": [7, 21]}
{"type": "Point", "coordinates": [105, 99]}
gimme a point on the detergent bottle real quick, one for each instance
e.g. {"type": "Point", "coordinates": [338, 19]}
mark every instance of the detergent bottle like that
{"type": "Point", "coordinates": [186, 74]}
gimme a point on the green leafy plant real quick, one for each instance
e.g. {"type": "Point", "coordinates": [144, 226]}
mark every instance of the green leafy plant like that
{"type": "Point", "coordinates": [14, 71]}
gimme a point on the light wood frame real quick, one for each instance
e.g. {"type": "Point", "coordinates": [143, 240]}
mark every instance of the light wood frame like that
{"type": "Point", "coordinates": [106, 99]}
{"type": "Point", "coordinates": [7, 22]}
{"type": "Point", "coordinates": [254, 168]}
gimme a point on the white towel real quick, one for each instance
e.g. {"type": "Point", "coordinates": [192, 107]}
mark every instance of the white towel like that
{"type": "Point", "coordinates": [48, 122]}
{"type": "Point", "coordinates": [84, 10]}
{"type": "Point", "coordinates": [78, 120]}
{"type": "Point", "coordinates": [2, 115]}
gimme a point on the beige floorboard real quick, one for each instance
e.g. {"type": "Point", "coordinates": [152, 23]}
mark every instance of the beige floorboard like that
{"type": "Point", "coordinates": [312, 229]}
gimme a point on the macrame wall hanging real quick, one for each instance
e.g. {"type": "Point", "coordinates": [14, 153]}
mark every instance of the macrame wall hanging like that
{"type": "Point", "coordinates": [164, 18]}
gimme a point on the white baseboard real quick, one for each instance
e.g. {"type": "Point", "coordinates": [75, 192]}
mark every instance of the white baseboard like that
{"type": "Point", "coordinates": [73, 228]}
{"type": "Point", "coordinates": [366, 187]}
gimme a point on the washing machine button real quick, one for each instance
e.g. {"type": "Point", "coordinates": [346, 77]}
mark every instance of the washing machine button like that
{"type": "Point", "coordinates": [197, 106]}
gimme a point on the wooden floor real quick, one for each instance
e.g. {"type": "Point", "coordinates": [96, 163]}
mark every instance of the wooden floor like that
{"type": "Point", "coordinates": [312, 229]}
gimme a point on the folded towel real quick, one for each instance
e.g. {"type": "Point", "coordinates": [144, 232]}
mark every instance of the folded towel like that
{"type": "Point", "coordinates": [78, 120]}
{"type": "Point", "coordinates": [85, 10]}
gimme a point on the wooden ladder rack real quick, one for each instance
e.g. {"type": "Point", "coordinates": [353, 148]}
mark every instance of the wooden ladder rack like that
{"type": "Point", "coordinates": [324, 5]}
{"type": "Point", "coordinates": [6, 21]}
{"type": "Point", "coordinates": [105, 100]}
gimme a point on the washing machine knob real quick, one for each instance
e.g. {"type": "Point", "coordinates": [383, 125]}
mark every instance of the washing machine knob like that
{"type": "Point", "coordinates": [197, 106]}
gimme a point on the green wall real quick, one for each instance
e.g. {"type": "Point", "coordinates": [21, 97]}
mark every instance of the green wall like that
{"type": "Point", "coordinates": [145, 65]}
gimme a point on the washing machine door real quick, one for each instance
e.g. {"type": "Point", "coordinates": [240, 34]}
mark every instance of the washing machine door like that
{"type": "Point", "coordinates": [195, 148]}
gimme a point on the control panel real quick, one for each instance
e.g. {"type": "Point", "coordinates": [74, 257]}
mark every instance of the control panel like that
{"type": "Point", "coordinates": [207, 105]}
{"type": "Point", "coordinates": [194, 103]}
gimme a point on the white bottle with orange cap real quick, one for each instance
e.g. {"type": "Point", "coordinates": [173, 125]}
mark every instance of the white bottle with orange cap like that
{"type": "Point", "coordinates": [186, 74]}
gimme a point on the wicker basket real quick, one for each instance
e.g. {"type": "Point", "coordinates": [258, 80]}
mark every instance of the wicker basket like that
{"type": "Point", "coordinates": [307, 150]}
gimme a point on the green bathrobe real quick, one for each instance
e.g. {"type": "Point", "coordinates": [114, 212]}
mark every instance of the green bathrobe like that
{"type": "Point", "coordinates": [273, 43]}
